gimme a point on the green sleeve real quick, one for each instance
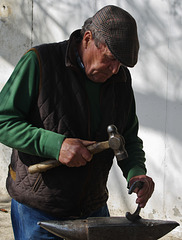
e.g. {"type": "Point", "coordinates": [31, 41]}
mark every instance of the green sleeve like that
{"type": "Point", "coordinates": [134, 165]}
{"type": "Point", "coordinates": [16, 98]}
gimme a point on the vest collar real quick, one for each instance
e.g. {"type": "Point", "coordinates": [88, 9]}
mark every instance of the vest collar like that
{"type": "Point", "coordinates": [74, 40]}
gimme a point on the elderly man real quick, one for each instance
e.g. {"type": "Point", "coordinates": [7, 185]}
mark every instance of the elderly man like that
{"type": "Point", "coordinates": [60, 98]}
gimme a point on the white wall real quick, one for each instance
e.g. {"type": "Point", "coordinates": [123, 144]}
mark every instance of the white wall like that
{"type": "Point", "coordinates": [156, 80]}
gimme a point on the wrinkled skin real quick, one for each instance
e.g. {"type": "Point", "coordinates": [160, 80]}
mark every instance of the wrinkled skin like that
{"type": "Point", "coordinates": [145, 192]}
{"type": "Point", "coordinates": [74, 153]}
{"type": "Point", "coordinates": [99, 62]}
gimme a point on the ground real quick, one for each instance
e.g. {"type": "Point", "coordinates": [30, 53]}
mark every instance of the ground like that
{"type": "Point", "coordinates": [6, 232]}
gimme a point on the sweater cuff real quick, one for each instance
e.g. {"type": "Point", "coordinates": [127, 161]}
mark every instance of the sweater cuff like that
{"type": "Point", "coordinates": [136, 171]}
{"type": "Point", "coordinates": [52, 145]}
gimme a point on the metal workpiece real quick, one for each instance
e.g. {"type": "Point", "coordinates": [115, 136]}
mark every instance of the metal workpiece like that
{"type": "Point", "coordinates": [109, 228]}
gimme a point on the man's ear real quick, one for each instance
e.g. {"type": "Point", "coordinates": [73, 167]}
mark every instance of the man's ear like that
{"type": "Point", "coordinates": [87, 38]}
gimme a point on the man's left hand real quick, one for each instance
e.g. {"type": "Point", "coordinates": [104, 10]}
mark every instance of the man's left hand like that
{"type": "Point", "coordinates": [145, 192]}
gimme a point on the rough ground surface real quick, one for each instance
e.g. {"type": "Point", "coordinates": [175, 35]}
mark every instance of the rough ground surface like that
{"type": "Point", "coordinates": [6, 232]}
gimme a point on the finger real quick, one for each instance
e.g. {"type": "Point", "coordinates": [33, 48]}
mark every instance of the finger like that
{"type": "Point", "coordinates": [75, 149]}
{"type": "Point", "coordinates": [144, 190]}
{"type": "Point", "coordinates": [148, 183]}
{"type": "Point", "coordinates": [142, 201]}
{"type": "Point", "coordinates": [87, 143]}
{"type": "Point", "coordinates": [136, 190]}
{"type": "Point", "coordinates": [85, 153]}
{"type": "Point", "coordinates": [144, 195]}
{"type": "Point", "coordinates": [148, 187]}
{"type": "Point", "coordinates": [76, 161]}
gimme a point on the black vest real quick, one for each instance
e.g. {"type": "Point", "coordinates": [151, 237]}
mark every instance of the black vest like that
{"type": "Point", "coordinates": [62, 107]}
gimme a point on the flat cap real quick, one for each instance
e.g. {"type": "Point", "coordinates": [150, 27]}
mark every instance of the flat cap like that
{"type": "Point", "coordinates": [119, 30]}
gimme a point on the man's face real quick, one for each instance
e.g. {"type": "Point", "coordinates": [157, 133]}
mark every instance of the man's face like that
{"type": "Point", "coordinates": [99, 63]}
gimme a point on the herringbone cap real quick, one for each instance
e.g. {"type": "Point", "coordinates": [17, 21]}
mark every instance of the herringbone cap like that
{"type": "Point", "coordinates": [119, 30]}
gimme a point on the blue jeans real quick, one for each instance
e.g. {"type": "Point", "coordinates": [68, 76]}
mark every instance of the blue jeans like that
{"type": "Point", "coordinates": [24, 221]}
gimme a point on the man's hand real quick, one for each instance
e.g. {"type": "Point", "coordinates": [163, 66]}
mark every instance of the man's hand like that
{"type": "Point", "coordinates": [74, 152]}
{"type": "Point", "coordinates": [146, 192]}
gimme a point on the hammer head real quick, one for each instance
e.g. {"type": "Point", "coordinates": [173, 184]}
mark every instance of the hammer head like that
{"type": "Point", "coordinates": [117, 143]}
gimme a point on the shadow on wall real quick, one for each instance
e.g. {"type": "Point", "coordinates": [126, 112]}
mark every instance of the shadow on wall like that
{"type": "Point", "coordinates": [29, 23]}
{"type": "Point", "coordinates": [153, 110]}
{"type": "Point", "coordinates": [35, 22]}
{"type": "Point", "coordinates": [66, 16]}
{"type": "Point", "coordinates": [40, 17]}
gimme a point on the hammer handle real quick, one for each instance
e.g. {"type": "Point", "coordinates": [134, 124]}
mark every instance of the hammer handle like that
{"type": "Point", "coordinates": [98, 147]}
{"type": "Point", "coordinates": [46, 165]}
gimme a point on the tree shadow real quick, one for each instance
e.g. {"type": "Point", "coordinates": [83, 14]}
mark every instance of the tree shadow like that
{"type": "Point", "coordinates": [37, 20]}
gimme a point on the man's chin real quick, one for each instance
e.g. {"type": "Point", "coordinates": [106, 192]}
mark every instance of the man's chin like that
{"type": "Point", "coordinates": [99, 79]}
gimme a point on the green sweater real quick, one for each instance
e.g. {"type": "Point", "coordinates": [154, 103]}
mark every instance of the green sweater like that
{"type": "Point", "coordinates": [16, 98]}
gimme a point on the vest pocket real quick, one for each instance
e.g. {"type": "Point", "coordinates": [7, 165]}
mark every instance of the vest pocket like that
{"type": "Point", "coordinates": [37, 183]}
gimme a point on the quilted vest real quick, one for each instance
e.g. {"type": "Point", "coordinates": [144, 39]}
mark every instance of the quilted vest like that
{"type": "Point", "coordinates": [62, 107]}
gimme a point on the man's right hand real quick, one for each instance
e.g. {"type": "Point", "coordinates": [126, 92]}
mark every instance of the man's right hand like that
{"type": "Point", "coordinates": [74, 152]}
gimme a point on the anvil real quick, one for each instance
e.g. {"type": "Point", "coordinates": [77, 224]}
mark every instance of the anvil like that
{"type": "Point", "coordinates": [109, 228]}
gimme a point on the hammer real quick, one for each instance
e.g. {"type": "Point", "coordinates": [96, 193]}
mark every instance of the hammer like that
{"type": "Point", "coordinates": [115, 142]}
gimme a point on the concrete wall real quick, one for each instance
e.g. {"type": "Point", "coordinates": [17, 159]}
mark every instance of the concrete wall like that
{"type": "Point", "coordinates": [156, 80]}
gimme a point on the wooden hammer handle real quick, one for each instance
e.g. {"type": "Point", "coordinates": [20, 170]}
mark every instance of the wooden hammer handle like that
{"type": "Point", "coordinates": [46, 165]}
{"type": "Point", "coordinates": [43, 166]}
{"type": "Point", "coordinates": [98, 147]}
